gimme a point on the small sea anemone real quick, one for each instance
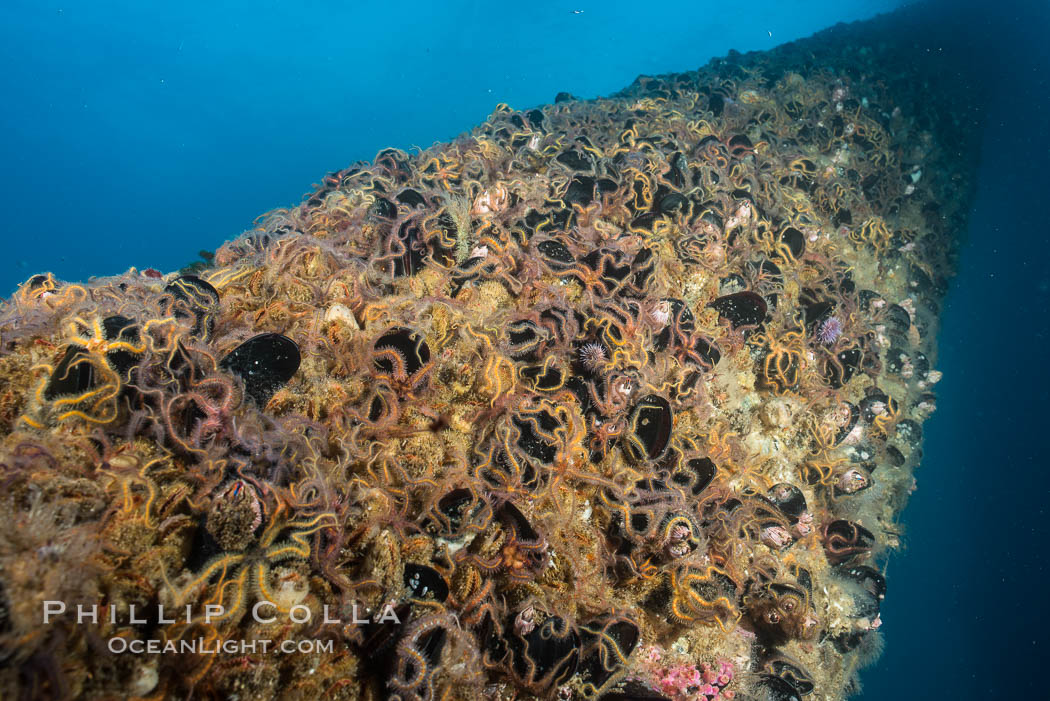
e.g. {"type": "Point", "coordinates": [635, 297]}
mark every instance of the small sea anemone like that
{"type": "Point", "coordinates": [829, 330]}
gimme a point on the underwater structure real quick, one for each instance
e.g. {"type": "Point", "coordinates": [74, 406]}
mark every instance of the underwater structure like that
{"type": "Point", "coordinates": [606, 399]}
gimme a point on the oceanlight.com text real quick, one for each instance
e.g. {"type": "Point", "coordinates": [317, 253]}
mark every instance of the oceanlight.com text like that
{"type": "Point", "coordinates": [201, 646]}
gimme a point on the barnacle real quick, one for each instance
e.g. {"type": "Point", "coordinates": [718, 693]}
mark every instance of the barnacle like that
{"type": "Point", "coordinates": [595, 383]}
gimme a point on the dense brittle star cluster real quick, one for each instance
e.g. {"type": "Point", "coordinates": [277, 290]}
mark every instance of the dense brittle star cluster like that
{"type": "Point", "coordinates": [616, 398]}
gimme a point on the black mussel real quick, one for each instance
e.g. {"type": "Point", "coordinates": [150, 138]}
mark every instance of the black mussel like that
{"type": "Point", "coordinates": [899, 319]}
{"type": "Point", "coordinates": [383, 208]}
{"type": "Point", "coordinates": [791, 671]}
{"type": "Point", "coordinates": [715, 104]}
{"type": "Point", "coordinates": [546, 656]}
{"type": "Point", "coordinates": [896, 361]}
{"type": "Point", "coordinates": [815, 308]}
{"type": "Point", "coordinates": [840, 368]}
{"type": "Point", "coordinates": [264, 363]}
{"type": "Point", "coordinates": [425, 582]}
{"type": "Point", "coordinates": [644, 222]}
{"type": "Point", "coordinates": [649, 431]}
{"type": "Point", "coordinates": [194, 298]}
{"type": "Point", "coordinates": [612, 266]}
{"type": "Point", "coordinates": [680, 323]}
{"type": "Point", "coordinates": [793, 240]}
{"type": "Point", "coordinates": [39, 284]}
{"type": "Point", "coordinates": [525, 339]}
{"type": "Point", "coordinates": [543, 378]}
{"type": "Point", "coordinates": [75, 374]}
{"type": "Point", "coordinates": [788, 498]}
{"type": "Point", "coordinates": [773, 688]}
{"type": "Point", "coordinates": [122, 330]}
{"type": "Point", "coordinates": [853, 479]}
{"type": "Point", "coordinates": [575, 160]}
{"type": "Point", "coordinates": [850, 415]}
{"type": "Point", "coordinates": [731, 284]}
{"type": "Point", "coordinates": [412, 249]}
{"type": "Point", "coordinates": [563, 97]}
{"type": "Point", "coordinates": [411, 198]}
{"type": "Point", "coordinates": [876, 403]}
{"type": "Point", "coordinates": [411, 349]}
{"type": "Point", "coordinates": [580, 191]}
{"type": "Point", "coordinates": [457, 512]}
{"type": "Point", "coordinates": [695, 475]}
{"type": "Point", "coordinates": [556, 254]}
{"type": "Point", "coordinates": [894, 456]}
{"type": "Point", "coordinates": [642, 267]}
{"type": "Point", "coordinates": [673, 202]}
{"type": "Point", "coordinates": [532, 427]}
{"type": "Point", "coordinates": [606, 642]}
{"type": "Point", "coordinates": [379, 636]}
{"type": "Point", "coordinates": [870, 591]}
{"type": "Point", "coordinates": [740, 146]}
{"type": "Point", "coordinates": [741, 309]}
{"type": "Point", "coordinates": [920, 366]}
{"type": "Point", "coordinates": [845, 540]}
{"type": "Point", "coordinates": [535, 118]}
{"type": "Point", "coordinates": [910, 432]}
{"type": "Point", "coordinates": [510, 516]}
{"type": "Point", "coordinates": [870, 301]}
{"type": "Point", "coordinates": [708, 352]}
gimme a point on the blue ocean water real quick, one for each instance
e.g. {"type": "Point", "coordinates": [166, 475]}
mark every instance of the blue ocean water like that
{"type": "Point", "coordinates": [136, 136]}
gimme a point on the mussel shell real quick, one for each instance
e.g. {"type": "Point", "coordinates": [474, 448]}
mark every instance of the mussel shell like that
{"type": "Point", "coordinates": [681, 323]}
{"type": "Point", "coordinates": [425, 582]}
{"type": "Point", "coordinates": [837, 374]}
{"type": "Point", "coordinates": [196, 298]}
{"type": "Point", "coordinates": [580, 191]}
{"type": "Point", "coordinates": [741, 308]}
{"type": "Point", "coordinates": [70, 376]}
{"type": "Point", "coordinates": [605, 642]}
{"type": "Point", "coordinates": [795, 242]}
{"type": "Point", "coordinates": [264, 363]}
{"type": "Point", "coordinates": [788, 498]}
{"type": "Point", "coordinates": [910, 432]}
{"type": "Point", "coordinates": [411, 345]}
{"type": "Point", "coordinates": [530, 441]}
{"type": "Point", "coordinates": [695, 475]}
{"type": "Point", "coordinates": [649, 432]}
{"type": "Point", "coordinates": [458, 511]}
{"type": "Point", "coordinates": [899, 319]}
{"type": "Point", "coordinates": [556, 254]}
{"type": "Point", "coordinates": [549, 652]}
{"type": "Point", "coordinates": [770, 687]}
{"type": "Point", "coordinates": [854, 417]}
{"type": "Point", "coordinates": [794, 674]}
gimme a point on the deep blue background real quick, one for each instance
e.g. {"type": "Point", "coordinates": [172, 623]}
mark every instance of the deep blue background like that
{"type": "Point", "coordinates": [138, 136]}
{"type": "Point", "coordinates": [133, 136]}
